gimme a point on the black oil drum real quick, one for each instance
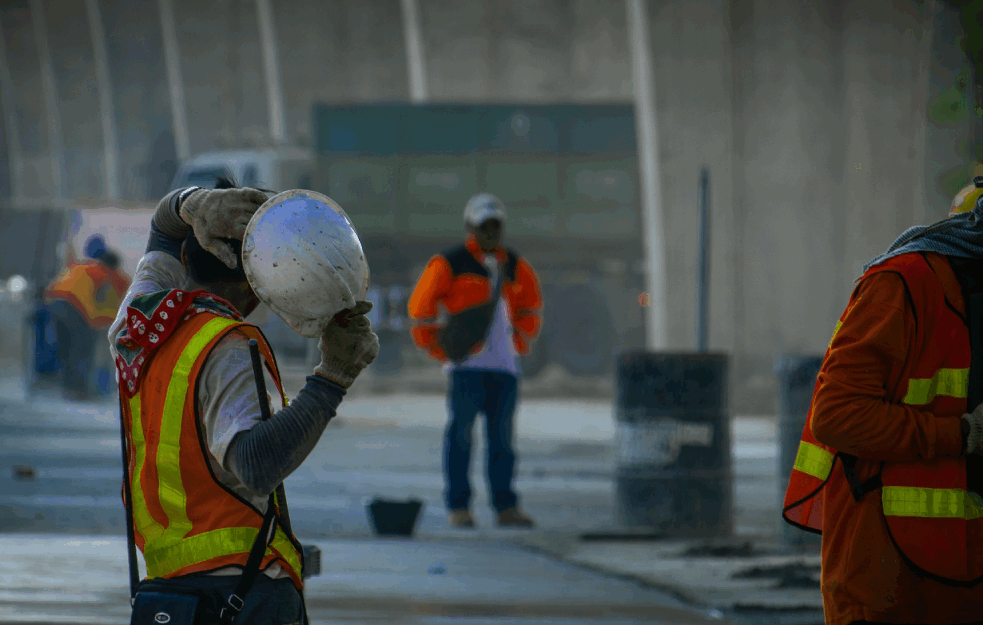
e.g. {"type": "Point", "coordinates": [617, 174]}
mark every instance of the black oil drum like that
{"type": "Point", "coordinates": [673, 442]}
{"type": "Point", "coordinates": [796, 380]}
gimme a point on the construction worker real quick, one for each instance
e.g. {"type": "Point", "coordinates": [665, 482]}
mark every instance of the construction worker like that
{"type": "Point", "coordinates": [82, 301]}
{"type": "Point", "coordinates": [202, 462]}
{"type": "Point", "coordinates": [889, 469]}
{"type": "Point", "coordinates": [493, 298]}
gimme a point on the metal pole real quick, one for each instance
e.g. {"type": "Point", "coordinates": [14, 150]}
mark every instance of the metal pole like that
{"type": "Point", "coordinates": [110, 146]}
{"type": "Point", "coordinates": [50, 91]}
{"type": "Point", "coordinates": [271, 68]}
{"type": "Point", "coordinates": [175, 83]}
{"type": "Point", "coordinates": [13, 136]}
{"type": "Point", "coordinates": [656, 334]}
{"type": "Point", "coordinates": [703, 286]}
{"type": "Point", "coordinates": [414, 51]}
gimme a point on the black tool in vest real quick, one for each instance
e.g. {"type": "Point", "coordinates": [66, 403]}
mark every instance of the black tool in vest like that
{"type": "Point", "coordinates": [469, 327]}
{"type": "Point", "coordinates": [179, 603]}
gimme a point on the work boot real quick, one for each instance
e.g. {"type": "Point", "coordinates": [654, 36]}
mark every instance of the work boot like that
{"type": "Point", "coordinates": [513, 517]}
{"type": "Point", "coordinates": [461, 518]}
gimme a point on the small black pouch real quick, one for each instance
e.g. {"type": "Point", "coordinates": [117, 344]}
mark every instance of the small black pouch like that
{"type": "Point", "coordinates": [168, 603]}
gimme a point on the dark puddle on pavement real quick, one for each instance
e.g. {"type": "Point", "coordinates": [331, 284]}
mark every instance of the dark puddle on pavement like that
{"type": "Point", "coordinates": [796, 575]}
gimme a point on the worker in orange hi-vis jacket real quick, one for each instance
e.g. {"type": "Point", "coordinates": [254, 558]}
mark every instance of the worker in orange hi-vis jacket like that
{"type": "Point", "coordinates": [494, 303]}
{"type": "Point", "coordinates": [83, 301]}
{"type": "Point", "coordinates": [889, 469]}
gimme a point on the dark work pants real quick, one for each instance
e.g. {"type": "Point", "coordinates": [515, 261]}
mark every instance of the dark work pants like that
{"type": "Point", "coordinates": [76, 345]}
{"type": "Point", "coordinates": [495, 394]}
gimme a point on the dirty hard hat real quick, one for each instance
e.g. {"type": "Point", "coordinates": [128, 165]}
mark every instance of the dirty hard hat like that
{"type": "Point", "coordinates": [482, 207]}
{"type": "Point", "coordinates": [966, 199]}
{"type": "Point", "coordinates": [304, 260]}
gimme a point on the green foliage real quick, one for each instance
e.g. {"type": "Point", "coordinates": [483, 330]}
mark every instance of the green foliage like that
{"type": "Point", "coordinates": [951, 181]}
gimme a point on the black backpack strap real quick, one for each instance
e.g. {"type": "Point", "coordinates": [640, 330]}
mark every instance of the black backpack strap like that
{"type": "Point", "coordinates": [857, 488]}
{"type": "Point", "coordinates": [131, 546]}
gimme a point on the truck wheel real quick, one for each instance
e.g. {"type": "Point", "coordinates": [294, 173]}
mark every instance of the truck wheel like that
{"type": "Point", "coordinates": [584, 337]}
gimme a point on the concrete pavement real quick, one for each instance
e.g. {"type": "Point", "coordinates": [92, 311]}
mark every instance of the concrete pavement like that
{"type": "Point", "coordinates": [389, 445]}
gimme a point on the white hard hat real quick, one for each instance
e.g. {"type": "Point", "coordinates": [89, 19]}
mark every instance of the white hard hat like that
{"type": "Point", "coordinates": [303, 259]}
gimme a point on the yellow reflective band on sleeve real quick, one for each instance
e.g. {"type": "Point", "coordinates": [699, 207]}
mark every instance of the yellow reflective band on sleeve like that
{"type": "Point", "coordinates": [946, 382]}
{"type": "Point", "coordinates": [813, 460]}
{"type": "Point", "coordinates": [145, 524]}
{"type": "Point", "coordinates": [173, 498]}
{"type": "Point", "coordinates": [835, 331]}
{"type": "Point", "coordinates": [948, 503]}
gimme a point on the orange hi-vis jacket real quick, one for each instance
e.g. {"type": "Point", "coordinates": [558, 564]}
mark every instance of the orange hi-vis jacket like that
{"type": "Point", "coordinates": [92, 289]}
{"type": "Point", "coordinates": [880, 470]}
{"type": "Point", "coordinates": [184, 520]}
{"type": "Point", "coordinates": [457, 280]}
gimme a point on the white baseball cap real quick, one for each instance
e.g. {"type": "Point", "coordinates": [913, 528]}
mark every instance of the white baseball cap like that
{"type": "Point", "coordinates": [482, 207]}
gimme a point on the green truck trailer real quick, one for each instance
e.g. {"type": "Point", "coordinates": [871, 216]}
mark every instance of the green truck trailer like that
{"type": "Point", "coordinates": [567, 173]}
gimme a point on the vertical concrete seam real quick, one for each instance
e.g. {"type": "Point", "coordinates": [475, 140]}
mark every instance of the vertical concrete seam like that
{"type": "Point", "coordinates": [107, 110]}
{"type": "Point", "coordinates": [10, 117]}
{"type": "Point", "coordinates": [50, 92]}
{"type": "Point", "coordinates": [175, 84]}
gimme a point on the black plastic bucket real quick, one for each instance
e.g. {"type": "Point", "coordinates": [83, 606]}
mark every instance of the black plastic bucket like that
{"type": "Point", "coordinates": [673, 442]}
{"type": "Point", "coordinates": [394, 518]}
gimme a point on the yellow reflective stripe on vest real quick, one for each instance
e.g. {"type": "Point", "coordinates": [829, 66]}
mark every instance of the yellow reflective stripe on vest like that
{"type": "Point", "coordinates": [145, 524]}
{"type": "Point", "coordinates": [950, 503]}
{"type": "Point", "coordinates": [214, 544]}
{"type": "Point", "coordinates": [173, 499]}
{"type": "Point", "coordinates": [835, 331]}
{"type": "Point", "coordinates": [813, 460]}
{"type": "Point", "coordinates": [947, 382]}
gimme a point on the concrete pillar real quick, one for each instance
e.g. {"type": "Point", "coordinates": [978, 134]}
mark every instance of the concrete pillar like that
{"type": "Point", "coordinates": [107, 110]}
{"type": "Point", "coordinates": [656, 336]}
{"type": "Point", "coordinates": [13, 132]}
{"type": "Point", "coordinates": [55, 146]}
{"type": "Point", "coordinates": [882, 60]}
{"type": "Point", "coordinates": [415, 63]}
{"type": "Point", "coordinates": [271, 71]}
{"type": "Point", "coordinates": [175, 81]}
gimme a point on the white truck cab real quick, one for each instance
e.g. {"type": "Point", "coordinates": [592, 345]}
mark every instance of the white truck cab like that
{"type": "Point", "coordinates": [273, 169]}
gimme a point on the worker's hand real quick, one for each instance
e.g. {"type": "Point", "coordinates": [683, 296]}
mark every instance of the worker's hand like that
{"type": "Point", "coordinates": [216, 214]}
{"type": "Point", "coordinates": [974, 442]}
{"type": "Point", "coordinates": [347, 345]}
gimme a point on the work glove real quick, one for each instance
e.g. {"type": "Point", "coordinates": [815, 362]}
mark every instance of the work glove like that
{"type": "Point", "coordinates": [974, 441]}
{"type": "Point", "coordinates": [216, 214]}
{"type": "Point", "coordinates": [347, 345]}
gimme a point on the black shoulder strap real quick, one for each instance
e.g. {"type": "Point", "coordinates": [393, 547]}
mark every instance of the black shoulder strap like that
{"type": "Point", "coordinates": [128, 505]}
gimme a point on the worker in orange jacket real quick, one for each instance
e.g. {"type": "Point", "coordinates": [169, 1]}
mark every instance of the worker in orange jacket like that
{"type": "Point", "coordinates": [889, 469]}
{"type": "Point", "coordinates": [477, 307]}
{"type": "Point", "coordinates": [83, 301]}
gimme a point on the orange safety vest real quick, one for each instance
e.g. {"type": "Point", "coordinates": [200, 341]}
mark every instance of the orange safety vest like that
{"type": "Point", "coordinates": [184, 520]}
{"type": "Point", "coordinates": [92, 289]}
{"type": "Point", "coordinates": [933, 521]}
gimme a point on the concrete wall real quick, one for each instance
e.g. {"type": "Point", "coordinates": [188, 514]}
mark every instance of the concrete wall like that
{"type": "Point", "coordinates": [810, 116]}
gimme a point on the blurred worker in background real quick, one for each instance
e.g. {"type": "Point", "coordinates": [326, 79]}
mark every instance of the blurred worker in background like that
{"type": "Point", "coordinates": [202, 462]}
{"type": "Point", "coordinates": [493, 298]}
{"type": "Point", "coordinates": [83, 301]}
{"type": "Point", "coordinates": [889, 467]}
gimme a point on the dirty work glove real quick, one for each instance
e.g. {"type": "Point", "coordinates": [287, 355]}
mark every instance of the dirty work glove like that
{"type": "Point", "coordinates": [347, 345]}
{"type": "Point", "coordinates": [218, 214]}
{"type": "Point", "coordinates": [974, 436]}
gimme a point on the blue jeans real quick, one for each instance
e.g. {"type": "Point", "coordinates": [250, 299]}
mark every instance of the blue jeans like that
{"type": "Point", "coordinates": [268, 602]}
{"type": "Point", "coordinates": [493, 393]}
